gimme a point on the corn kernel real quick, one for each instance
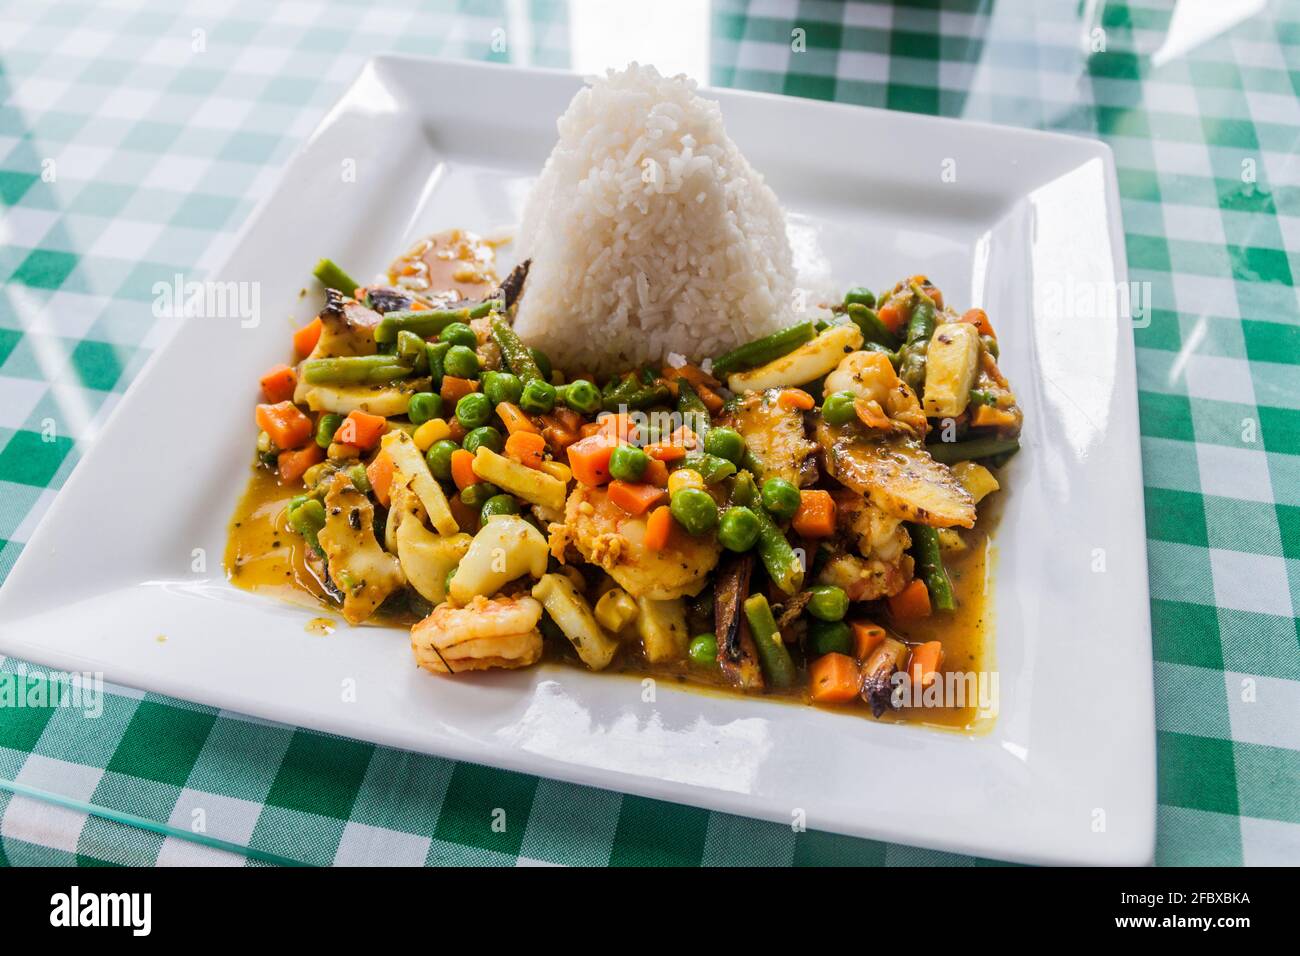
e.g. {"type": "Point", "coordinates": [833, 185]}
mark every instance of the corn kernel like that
{"type": "Point", "coordinates": [557, 469]}
{"type": "Point", "coordinates": [434, 430]}
{"type": "Point", "coordinates": [684, 478]}
{"type": "Point", "coordinates": [615, 610]}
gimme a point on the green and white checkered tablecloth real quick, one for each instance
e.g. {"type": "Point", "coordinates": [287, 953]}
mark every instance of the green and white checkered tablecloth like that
{"type": "Point", "coordinates": [136, 136]}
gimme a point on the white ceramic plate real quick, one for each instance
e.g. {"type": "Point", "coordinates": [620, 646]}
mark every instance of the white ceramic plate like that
{"type": "Point", "coordinates": [1029, 226]}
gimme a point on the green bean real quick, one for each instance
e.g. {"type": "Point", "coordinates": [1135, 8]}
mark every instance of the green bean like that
{"type": "Point", "coordinates": [631, 393]}
{"type": "Point", "coordinates": [513, 350]}
{"type": "Point", "coordinates": [354, 370]}
{"type": "Point", "coordinates": [972, 449]}
{"type": "Point", "coordinates": [860, 295]}
{"type": "Point", "coordinates": [892, 355]}
{"type": "Point", "coordinates": [332, 277]}
{"type": "Point", "coordinates": [764, 350]}
{"type": "Point", "coordinates": [775, 660]}
{"type": "Point", "coordinates": [436, 353]}
{"type": "Point", "coordinates": [744, 492]}
{"type": "Point", "coordinates": [712, 468]}
{"type": "Point", "coordinates": [873, 330]}
{"type": "Point", "coordinates": [411, 351]}
{"type": "Point", "coordinates": [360, 480]}
{"type": "Point", "coordinates": [326, 426]}
{"type": "Point", "coordinates": [425, 323]}
{"type": "Point", "coordinates": [695, 414]}
{"type": "Point", "coordinates": [308, 519]}
{"type": "Point", "coordinates": [751, 463]}
{"type": "Point", "coordinates": [782, 564]}
{"type": "Point", "coordinates": [929, 566]}
{"type": "Point", "coordinates": [921, 325]}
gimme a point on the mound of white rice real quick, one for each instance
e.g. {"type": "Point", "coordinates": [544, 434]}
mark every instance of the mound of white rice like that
{"type": "Point", "coordinates": [649, 232]}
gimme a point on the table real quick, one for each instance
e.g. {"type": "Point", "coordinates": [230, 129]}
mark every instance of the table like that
{"type": "Point", "coordinates": [136, 136]}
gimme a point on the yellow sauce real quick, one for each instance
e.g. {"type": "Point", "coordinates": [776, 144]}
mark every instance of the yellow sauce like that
{"type": "Point", "coordinates": [456, 263]}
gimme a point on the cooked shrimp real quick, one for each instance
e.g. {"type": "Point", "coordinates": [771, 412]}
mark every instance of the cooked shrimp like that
{"type": "Point", "coordinates": [870, 375]}
{"type": "Point", "coordinates": [496, 632]}
{"type": "Point", "coordinates": [884, 567]}
{"type": "Point", "coordinates": [608, 536]}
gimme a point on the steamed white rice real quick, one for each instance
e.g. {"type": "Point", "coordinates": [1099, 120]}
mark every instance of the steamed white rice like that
{"type": "Point", "coordinates": [649, 232]}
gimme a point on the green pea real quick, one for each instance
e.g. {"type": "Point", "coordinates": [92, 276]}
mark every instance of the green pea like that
{"type": "Point", "coordinates": [704, 650]}
{"type": "Point", "coordinates": [479, 493]}
{"type": "Point", "coordinates": [326, 427]}
{"type": "Point", "coordinates": [582, 396]}
{"type": "Point", "coordinates": [473, 410]}
{"type": "Point", "coordinates": [498, 505]}
{"type": "Point", "coordinates": [829, 637]}
{"type": "Point", "coordinates": [538, 397]}
{"type": "Point", "coordinates": [838, 408]}
{"type": "Point", "coordinates": [725, 443]}
{"type": "Point", "coordinates": [828, 603]}
{"type": "Point", "coordinates": [861, 296]}
{"type": "Point", "coordinates": [458, 333]}
{"type": "Point", "coordinates": [502, 387]}
{"type": "Point", "coordinates": [360, 480]}
{"type": "Point", "coordinates": [439, 458]}
{"type": "Point", "coordinates": [543, 363]}
{"type": "Point", "coordinates": [738, 529]}
{"type": "Point", "coordinates": [628, 463]}
{"type": "Point", "coordinates": [460, 362]}
{"type": "Point", "coordinates": [423, 406]}
{"type": "Point", "coordinates": [694, 510]}
{"type": "Point", "coordinates": [780, 498]}
{"type": "Point", "coordinates": [484, 437]}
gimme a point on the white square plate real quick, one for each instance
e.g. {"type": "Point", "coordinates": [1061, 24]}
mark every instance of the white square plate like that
{"type": "Point", "coordinates": [1029, 226]}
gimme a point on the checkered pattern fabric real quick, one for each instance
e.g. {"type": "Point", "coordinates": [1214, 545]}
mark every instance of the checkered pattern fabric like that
{"type": "Point", "coordinates": [136, 136]}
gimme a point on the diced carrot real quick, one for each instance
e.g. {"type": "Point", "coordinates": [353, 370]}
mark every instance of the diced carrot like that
{"type": "Point", "coordinates": [292, 464]}
{"type": "Point", "coordinates": [589, 458]}
{"type": "Point", "coordinates": [565, 418]}
{"type": "Point", "coordinates": [711, 399]}
{"type": "Point", "coordinates": [923, 667]}
{"type": "Point", "coordinates": [796, 398]}
{"type": "Point", "coordinates": [892, 316]}
{"type": "Point", "coordinates": [658, 529]}
{"type": "Point", "coordinates": [589, 429]}
{"type": "Point", "coordinates": [656, 473]}
{"type": "Point", "coordinates": [988, 416]}
{"type": "Point", "coordinates": [361, 429]}
{"type": "Point", "coordinates": [692, 373]}
{"type": "Point", "coordinates": [618, 424]}
{"type": "Point", "coordinates": [866, 637]}
{"type": "Point", "coordinates": [456, 431]}
{"type": "Point", "coordinates": [834, 679]}
{"type": "Point", "coordinates": [513, 417]}
{"type": "Point", "coordinates": [279, 383]}
{"type": "Point", "coordinates": [911, 602]}
{"type": "Point", "coordinates": [527, 448]}
{"type": "Point", "coordinates": [558, 438]}
{"type": "Point", "coordinates": [454, 389]}
{"type": "Point", "coordinates": [871, 414]}
{"type": "Point", "coordinates": [305, 339]}
{"type": "Point", "coordinates": [462, 469]}
{"type": "Point", "coordinates": [665, 451]}
{"type": "Point", "coordinates": [285, 423]}
{"type": "Point", "coordinates": [980, 319]}
{"type": "Point", "coordinates": [636, 498]}
{"type": "Point", "coordinates": [380, 475]}
{"type": "Point", "coordinates": [816, 515]}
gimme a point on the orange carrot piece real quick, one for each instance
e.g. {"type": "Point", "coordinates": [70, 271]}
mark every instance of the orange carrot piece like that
{"type": "Point", "coordinates": [911, 602]}
{"type": "Point", "coordinates": [658, 529]}
{"type": "Point", "coordinates": [292, 464]}
{"type": "Point", "coordinates": [891, 316]}
{"type": "Point", "coordinates": [305, 339]}
{"type": "Point", "coordinates": [462, 469]}
{"type": "Point", "coordinates": [665, 451]}
{"type": "Point", "coordinates": [923, 666]}
{"type": "Point", "coordinates": [361, 429]}
{"type": "Point", "coordinates": [285, 423]}
{"type": "Point", "coordinates": [589, 429]}
{"type": "Point", "coordinates": [454, 389]}
{"type": "Point", "coordinates": [796, 398]}
{"type": "Point", "coordinates": [527, 448]}
{"type": "Point", "coordinates": [513, 417]}
{"type": "Point", "coordinates": [380, 475]}
{"type": "Point", "coordinates": [456, 431]}
{"type": "Point", "coordinates": [636, 498]}
{"type": "Point", "coordinates": [618, 424]}
{"type": "Point", "coordinates": [834, 679]}
{"type": "Point", "coordinates": [987, 415]}
{"type": "Point", "coordinates": [980, 319]}
{"type": "Point", "coordinates": [711, 399]}
{"type": "Point", "coordinates": [589, 458]}
{"type": "Point", "coordinates": [816, 515]}
{"type": "Point", "coordinates": [279, 383]}
{"type": "Point", "coordinates": [871, 414]}
{"type": "Point", "coordinates": [866, 637]}
{"type": "Point", "coordinates": [656, 473]}
{"type": "Point", "coordinates": [692, 373]}
{"type": "Point", "coordinates": [565, 418]}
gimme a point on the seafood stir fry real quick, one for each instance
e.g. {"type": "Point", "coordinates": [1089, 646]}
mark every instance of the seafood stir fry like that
{"type": "Point", "coordinates": [782, 519]}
